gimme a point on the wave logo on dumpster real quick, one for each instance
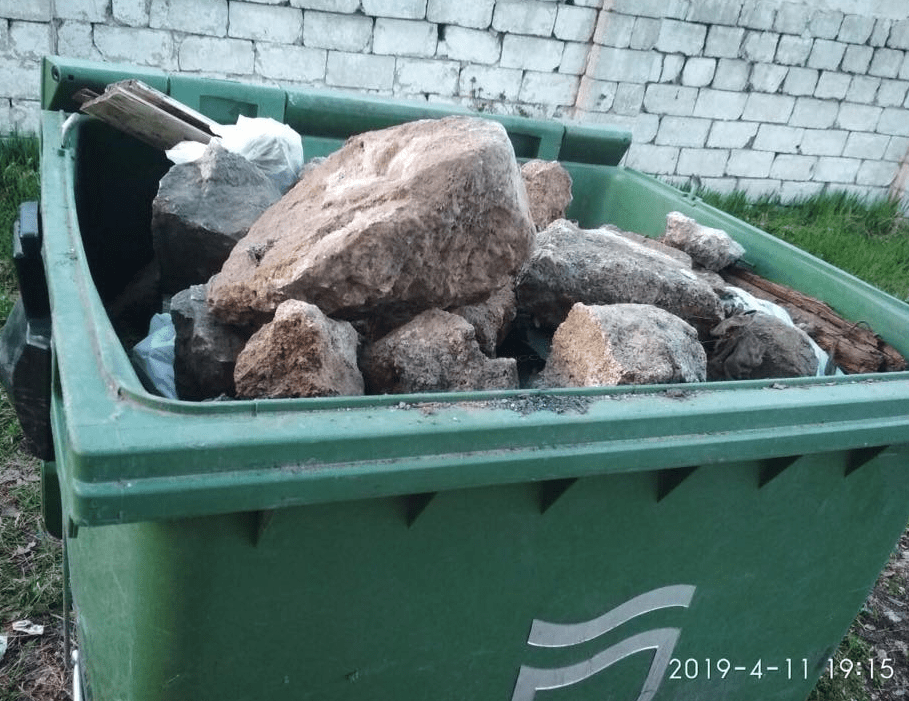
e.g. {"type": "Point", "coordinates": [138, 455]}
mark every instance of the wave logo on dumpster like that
{"type": "Point", "coordinates": [661, 640]}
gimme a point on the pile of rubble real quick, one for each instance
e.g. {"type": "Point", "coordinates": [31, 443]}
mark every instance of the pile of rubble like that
{"type": "Point", "coordinates": [424, 258]}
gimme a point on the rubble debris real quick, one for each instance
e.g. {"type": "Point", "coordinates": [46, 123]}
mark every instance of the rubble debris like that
{"type": "Point", "coordinates": [146, 113]}
{"type": "Point", "coordinates": [434, 351]}
{"type": "Point", "coordinates": [711, 248]}
{"type": "Point", "coordinates": [622, 344]}
{"type": "Point", "coordinates": [432, 213]}
{"type": "Point", "coordinates": [760, 346]}
{"type": "Point", "coordinates": [205, 350]}
{"type": "Point", "coordinates": [200, 212]}
{"type": "Point", "coordinates": [548, 189]}
{"type": "Point", "coordinates": [300, 353]}
{"type": "Point", "coordinates": [851, 346]}
{"type": "Point", "coordinates": [491, 319]}
{"type": "Point", "coordinates": [598, 266]}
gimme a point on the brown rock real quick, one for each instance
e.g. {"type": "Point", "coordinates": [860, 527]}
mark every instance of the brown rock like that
{"type": "Point", "coordinates": [300, 353]}
{"type": "Point", "coordinates": [434, 351]}
{"type": "Point", "coordinates": [491, 319]}
{"type": "Point", "coordinates": [623, 344]}
{"type": "Point", "coordinates": [711, 248]}
{"type": "Point", "coordinates": [548, 189]}
{"type": "Point", "coordinates": [427, 214]}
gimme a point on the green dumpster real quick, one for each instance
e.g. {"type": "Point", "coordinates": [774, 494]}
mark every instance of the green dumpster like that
{"type": "Point", "coordinates": [622, 543]}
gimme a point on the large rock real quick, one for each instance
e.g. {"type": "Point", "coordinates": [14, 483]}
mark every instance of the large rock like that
{"type": "Point", "coordinates": [427, 214]}
{"type": "Point", "coordinates": [599, 266]}
{"type": "Point", "coordinates": [205, 350]}
{"type": "Point", "coordinates": [434, 351]}
{"type": "Point", "coordinates": [760, 346]}
{"type": "Point", "coordinates": [623, 344]}
{"type": "Point", "coordinates": [300, 353]}
{"type": "Point", "coordinates": [548, 189]}
{"type": "Point", "coordinates": [711, 248]}
{"type": "Point", "coordinates": [491, 319]}
{"type": "Point", "coordinates": [200, 212]}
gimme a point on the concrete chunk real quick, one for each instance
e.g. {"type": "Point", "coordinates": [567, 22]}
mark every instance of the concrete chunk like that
{"type": "Point", "coordinates": [711, 248]}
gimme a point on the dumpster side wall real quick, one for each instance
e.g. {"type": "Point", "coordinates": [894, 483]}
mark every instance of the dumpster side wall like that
{"type": "Point", "coordinates": [782, 97]}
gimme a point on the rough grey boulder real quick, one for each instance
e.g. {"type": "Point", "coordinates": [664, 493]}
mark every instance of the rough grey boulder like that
{"type": "Point", "coordinates": [300, 353]}
{"type": "Point", "coordinates": [434, 351]}
{"type": "Point", "coordinates": [760, 346]}
{"type": "Point", "coordinates": [491, 319]}
{"type": "Point", "coordinates": [427, 214]}
{"type": "Point", "coordinates": [599, 266]}
{"type": "Point", "coordinates": [623, 344]}
{"type": "Point", "coordinates": [711, 248]}
{"type": "Point", "coordinates": [548, 189]}
{"type": "Point", "coordinates": [205, 350]}
{"type": "Point", "coordinates": [200, 212]}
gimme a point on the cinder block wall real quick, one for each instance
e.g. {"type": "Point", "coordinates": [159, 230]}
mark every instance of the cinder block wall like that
{"type": "Point", "coordinates": [762, 95]}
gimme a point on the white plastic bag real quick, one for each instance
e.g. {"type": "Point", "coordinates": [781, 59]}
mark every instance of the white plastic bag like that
{"type": "Point", "coordinates": [153, 357]}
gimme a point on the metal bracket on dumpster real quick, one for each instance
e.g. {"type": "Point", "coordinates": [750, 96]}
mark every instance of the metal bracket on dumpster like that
{"type": "Point", "coordinates": [25, 350]}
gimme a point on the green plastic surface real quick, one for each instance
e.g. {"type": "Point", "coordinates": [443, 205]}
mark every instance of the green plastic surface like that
{"type": "Point", "coordinates": [401, 547]}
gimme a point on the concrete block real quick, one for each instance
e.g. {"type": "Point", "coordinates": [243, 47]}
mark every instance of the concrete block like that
{"type": "Point", "coordinates": [75, 39]}
{"type": "Point", "coordinates": [342, 6]}
{"type": "Point", "coordinates": [857, 59]}
{"type": "Point", "coordinates": [524, 17]}
{"type": "Point", "coordinates": [723, 186]}
{"type": "Point", "coordinates": [192, 16]}
{"type": "Point", "coordinates": [800, 81]}
{"type": "Point", "coordinates": [400, 9]}
{"type": "Point", "coordinates": [866, 145]}
{"type": "Point", "coordinates": [645, 33]}
{"type": "Point", "coordinates": [81, 10]}
{"type": "Point", "coordinates": [213, 55]}
{"type": "Point", "coordinates": [894, 121]}
{"type": "Point", "coordinates": [757, 14]}
{"type": "Point", "coordinates": [724, 42]}
{"type": "Point", "coordinates": [148, 47]}
{"type": "Point", "coordinates": [825, 24]}
{"type": "Point", "coordinates": [681, 37]}
{"type": "Point", "coordinates": [644, 128]}
{"type": "Point", "coordinates": [702, 162]}
{"type": "Point", "coordinates": [854, 117]}
{"type": "Point", "coordinates": [826, 54]}
{"type": "Point", "coordinates": [793, 50]}
{"type": "Point", "coordinates": [892, 93]}
{"type": "Point", "coordinates": [760, 46]}
{"type": "Point", "coordinates": [30, 39]}
{"type": "Point", "coordinates": [621, 64]}
{"type": "Point", "coordinates": [130, 12]}
{"type": "Point", "coordinates": [248, 20]}
{"type": "Point", "coordinates": [831, 169]}
{"type": "Point", "coordinates": [731, 74]}
{"type": "Point", "coordinates": [788, 167]}
{"type": "Point", "coordinates": [24, 117]}
{"type": "Point", "coordinates": [575, 23]}
{"type": "Point", "coordinates": [473, 45]}
{"type": "Point", "coordinates": [715, 12]}
{"type": "Point", "coordinates": [352, 70]}
{"type": "Point", "coordinates": [32, 11]}
{"type": "Point", "coordinates": [886, 63]}
{"type": "Point", "coordinates": [406, 37]}
{"type": "Point", "coordinates": [749, 164]}
{"type": "Point", "coordinates": [904, 69]}
{"type": "Point", "coordinates": [767, 77]}
{"type": "Point", "coordinates": [20, 78]}
{"type": "Point", "coordinates": [598, 96]}
{"type": "Point", "coordinates": [762, 107]}
{"type": "Point", "coordinates": [329, 30]}
{"type": "Point", "coordinates": [834, 85]}
{"type": "Point", "coordinates": [531, 53]}
{"type": "Point", "coordinates": [813, 113]}
{"type": "Point", "coordinates": [755, 188]}
{"type": "Point", "coordinates": [574, 58]}
{"type": "Point", "coordinates": [856, 29]}
{"type": "Point", "coordinates": [419, 75]}
{"type": "Point", "coordinates": [548, 89]}
{"type": "Point", "coordinates": [475, 15]}
{"type": "Point", "coordinates": [655, 160]}
{"type": "Point", "coordinates": [791, 18]}
{"type": "Point", "coordinates": [881, 32]}
{"type": "Point", "coordinates": [720, 104]}
{"type": "Point", "coordinates": [615, 30]}
{"type": "Point", "coordinates": [799, 190]}
{"type": "Point", "coordinates": [671, 68]}
{"type": "Point", "coordinates": [683, 131]}
{"type": "Point", "coordinates": [897, 149]}
{"type": "Point", "coordinates": [670, 99]}
{"type": "Point", "coordinates": [300, 64]}
{"type": "Point", "coordinates": [734, 134]}
{"type": "Point", "coordinates": [863, 89]}
{"type": "Point", "coordinates": [698, 72]}
{"type": "Point", "coordinates": [876, 173]}
{"type": "Point", "coordinates": [673, 9]}
{"type": "Point", "coordinates": [779, 138]}
{"type": "Point", "coordinates": [823, 142]}
{"type": "Point", "coordinates": [629, 97]}
{"type": "Point", "coordinates": [899, 35]}
{"type": "Point", "coordinates": [488, 83]}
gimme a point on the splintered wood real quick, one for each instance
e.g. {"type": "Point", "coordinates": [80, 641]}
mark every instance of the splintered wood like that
{"type": "Point", "coordinates": [148, 114]}
{"type": "Point", "coordinates": [851, 345]}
